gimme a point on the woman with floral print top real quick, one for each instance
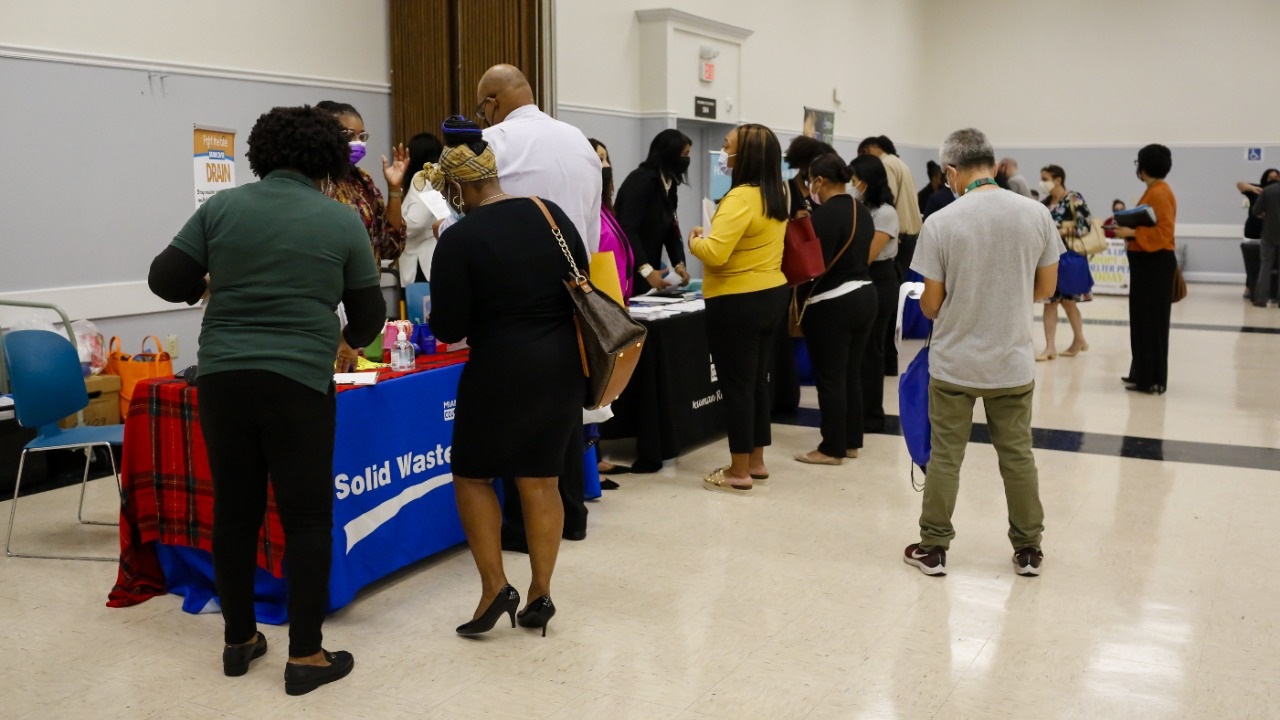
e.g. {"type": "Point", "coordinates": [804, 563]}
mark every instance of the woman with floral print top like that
{"type": "Point", "coordinates": [1073, 218]}
{"type": "Point", "coordinates": [357, 190]}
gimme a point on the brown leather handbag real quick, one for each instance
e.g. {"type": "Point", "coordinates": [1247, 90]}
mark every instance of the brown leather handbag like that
{"type": "Point", "coordinates": [609, 339]}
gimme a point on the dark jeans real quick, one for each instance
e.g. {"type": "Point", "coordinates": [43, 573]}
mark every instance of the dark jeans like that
{"type": "Point", "coordinates": [741, 332]}
{"type": "Point", "coordinates": [836, 332]}
{"type": "Point", "coordinates": [885, 276]}
{"type": "Point", "coordinates": [1150, 308]}
{"type": "Point", "coordinates": [258, 426]}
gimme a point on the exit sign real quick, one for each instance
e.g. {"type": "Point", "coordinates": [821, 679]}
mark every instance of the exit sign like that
{"type": "Point", "coordinates": [708, 72]}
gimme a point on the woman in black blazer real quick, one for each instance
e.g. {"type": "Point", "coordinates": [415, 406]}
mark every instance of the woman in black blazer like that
{"type": "Point", "coordinates": [646, 209]}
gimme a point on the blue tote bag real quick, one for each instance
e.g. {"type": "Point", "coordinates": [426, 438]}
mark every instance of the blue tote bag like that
{"type": "Point", "coordinates": [1074, 276]}
{"type": "Point", "coordinates": [913, 411]}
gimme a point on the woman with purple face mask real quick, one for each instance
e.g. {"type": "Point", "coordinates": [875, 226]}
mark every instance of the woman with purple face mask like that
{"type": "Point", "coordinates": [382, 219]}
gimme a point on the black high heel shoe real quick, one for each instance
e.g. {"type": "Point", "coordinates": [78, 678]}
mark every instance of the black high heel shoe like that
{"type": "Point", "coordinates": [538, 614]}
{"type": "Point", "coordinates": [506, 603]}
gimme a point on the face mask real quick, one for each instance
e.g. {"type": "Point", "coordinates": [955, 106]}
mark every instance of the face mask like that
{"type": "Point", "coordinates": [857, 194]}
{"type": "Point", "coordinates": [357, 151]}
{"type": "Point", "coordinates": [1046, 187]}
{"type": "Point", "coordinates": [682, 167]}
{"type": "Point", "coordinates": [722, 163]}
{"type": "Point", "coordinates": [813, 195]}
{"type": "Point", "coordinates": [606, 176]}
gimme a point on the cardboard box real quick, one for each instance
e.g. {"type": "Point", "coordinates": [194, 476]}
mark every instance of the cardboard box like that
{"type": "Point", "coordinates": [104, 402]}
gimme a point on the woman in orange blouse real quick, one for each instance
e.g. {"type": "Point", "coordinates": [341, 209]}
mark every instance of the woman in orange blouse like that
{"type": "Point", "coordinates": [1151, 268]}
{"type": "Point", "coordinates": [383, 220]}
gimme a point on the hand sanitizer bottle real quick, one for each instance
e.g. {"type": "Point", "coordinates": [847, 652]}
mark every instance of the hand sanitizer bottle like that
{"type": "Point", "coordinates": [402, 354]}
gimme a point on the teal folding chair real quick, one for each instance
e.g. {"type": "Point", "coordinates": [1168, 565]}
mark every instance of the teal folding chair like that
{"type": "Point", "coordinates": [48, 385]}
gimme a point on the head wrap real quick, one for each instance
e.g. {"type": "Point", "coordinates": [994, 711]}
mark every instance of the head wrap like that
{"type": "Point", "coordinates": [460, 164]}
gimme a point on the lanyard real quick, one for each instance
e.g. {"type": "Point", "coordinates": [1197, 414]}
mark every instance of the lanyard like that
{"type": "Point", "coordinates": [979, 183]}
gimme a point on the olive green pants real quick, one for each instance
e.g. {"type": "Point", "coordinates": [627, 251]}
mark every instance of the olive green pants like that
{"type": "Point", "coordinates": [1009, 419]}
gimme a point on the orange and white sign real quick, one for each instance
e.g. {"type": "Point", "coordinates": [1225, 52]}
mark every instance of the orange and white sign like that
{"type": "Point", "coordinates": [215, 162]}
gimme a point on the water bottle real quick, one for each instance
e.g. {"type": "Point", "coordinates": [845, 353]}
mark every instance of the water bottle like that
{"type": "Point", "coordinates": [402, 353]}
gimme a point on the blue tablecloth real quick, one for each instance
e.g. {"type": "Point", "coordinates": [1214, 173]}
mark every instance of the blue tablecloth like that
{"type": "Point", "coordinates": [393, 494]}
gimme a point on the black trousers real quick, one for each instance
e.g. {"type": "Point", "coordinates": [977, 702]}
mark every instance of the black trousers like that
{"type": "Point", "coordinates": [785, 378]}
{"type": "Point", "coordinates": [888, 315]}
{"type": "Point", "coordinates": [741, 334]}
{"type": "Point", "coordinates": [1264, 289]}
{"type": "Point", "coordinates": [836, 332]}
{"type": "Point", "coordinates": [906, 252]}
{"type": "Point", "coordinates": [1150, 307]}
{"type": "Point", "coordinates": [1252, 254]}
{"type": "Point", "coordinates": [572, 496]}
{"type": "Point", "coordinates": [884, 274]}
{"type": "Point", "coordinates": [260, 426]}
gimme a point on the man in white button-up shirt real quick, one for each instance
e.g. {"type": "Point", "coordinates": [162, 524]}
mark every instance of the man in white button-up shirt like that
{"type": "Point", "coordinates": [537, 154]}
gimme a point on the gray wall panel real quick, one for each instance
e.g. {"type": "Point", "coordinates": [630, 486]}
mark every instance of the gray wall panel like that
{"type": "Point", "coordinates": [99, 167]}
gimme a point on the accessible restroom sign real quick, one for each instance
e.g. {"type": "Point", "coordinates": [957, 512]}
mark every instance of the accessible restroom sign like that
{"type": "Point", "coordinates": [215, 161]}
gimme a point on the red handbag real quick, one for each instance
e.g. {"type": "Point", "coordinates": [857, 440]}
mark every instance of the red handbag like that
{"type": "Point", "coordinates": [802, 253]}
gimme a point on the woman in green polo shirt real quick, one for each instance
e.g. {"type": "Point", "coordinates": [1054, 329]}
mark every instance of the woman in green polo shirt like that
{"type": "Point", "coordinates": [274, 258]}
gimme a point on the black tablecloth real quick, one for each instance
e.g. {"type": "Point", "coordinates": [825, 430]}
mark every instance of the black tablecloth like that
{"type": "Point", "coordinates": [673, 402]}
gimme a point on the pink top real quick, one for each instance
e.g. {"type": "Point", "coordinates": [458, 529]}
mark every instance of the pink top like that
{"type": "Point", "coordinates": [612, 238]}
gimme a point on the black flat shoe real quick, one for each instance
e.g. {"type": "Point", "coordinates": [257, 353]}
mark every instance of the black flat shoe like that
{"type": "Point", "coordinates": [1146, 389]}
{"type": "Point", "coordinates": [236, 658]}
{"type": "Point", "coordinates": [505, 603]}
{"type": "Point", "coordinates": [574, 535]}
{"type": "Point", "coordinates": [616, 470]}
{"type": "Point", "coordinates": [538, 614]}
{"type": "Point", "coordinates": [302, 679]}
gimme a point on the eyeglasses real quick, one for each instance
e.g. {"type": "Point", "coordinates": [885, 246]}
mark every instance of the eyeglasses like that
{"type": "Point", "coordinates": [479, 111]}
{"type": "Point", "coordinates": [350, 135]}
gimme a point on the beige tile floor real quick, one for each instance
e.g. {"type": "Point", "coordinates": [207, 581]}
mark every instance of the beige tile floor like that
{"type": "Point", "coordinates": [1156, 600]}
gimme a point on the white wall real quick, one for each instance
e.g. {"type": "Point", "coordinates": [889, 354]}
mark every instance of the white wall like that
{"type": "Point", "coordinates": [333, 39]}
{"type": "Point", "coordinates": [102, 179]}
{"type": "Point", "coordinates": [871, 49]}
{"type": "Point", "coordinates": [1104, 72]}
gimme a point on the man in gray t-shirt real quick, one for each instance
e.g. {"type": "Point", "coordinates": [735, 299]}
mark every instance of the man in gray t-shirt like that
{"type": "Point", "coordinates": [986, 259]}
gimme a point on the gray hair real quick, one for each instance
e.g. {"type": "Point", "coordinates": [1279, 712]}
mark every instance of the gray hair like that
{"type": "Point", "coordinates": [967, 149]}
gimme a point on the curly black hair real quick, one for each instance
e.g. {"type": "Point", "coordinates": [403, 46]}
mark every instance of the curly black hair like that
{"type": "Point", "coordinates": [803, 150]}
{"type": "Point", "coordinates": [305, 139]}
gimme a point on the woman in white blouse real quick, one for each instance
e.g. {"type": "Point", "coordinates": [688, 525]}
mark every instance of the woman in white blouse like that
{"type": "Point", "coordinates": [420, 240]}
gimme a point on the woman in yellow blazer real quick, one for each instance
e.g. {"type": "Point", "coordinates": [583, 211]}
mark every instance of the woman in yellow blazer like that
{"type": "Point", "coordinates": [746, 295]}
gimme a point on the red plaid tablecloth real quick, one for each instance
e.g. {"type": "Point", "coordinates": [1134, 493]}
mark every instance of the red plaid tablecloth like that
{"type": "Point", "coordinates": [168, 490]}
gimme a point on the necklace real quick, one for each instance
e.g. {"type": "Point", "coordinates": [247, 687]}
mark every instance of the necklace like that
{"type": "Point", "coordinates": [491, 198]}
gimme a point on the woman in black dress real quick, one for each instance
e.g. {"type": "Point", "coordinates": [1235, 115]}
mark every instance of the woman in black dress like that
{"type": "Point", "coordinates": [496, 280]}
